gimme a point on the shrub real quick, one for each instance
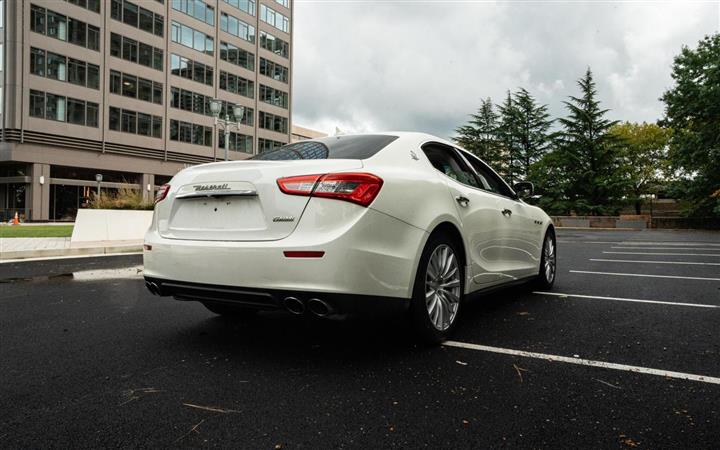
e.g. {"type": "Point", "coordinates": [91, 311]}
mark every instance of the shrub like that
{"type": "Point", "coordinates": [124, 198]}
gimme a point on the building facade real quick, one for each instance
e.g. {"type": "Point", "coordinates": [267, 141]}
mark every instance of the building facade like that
{"type": "Point", "coordinates": [299, 133]}
{"type": "Point", "coordinates": [122, 89]}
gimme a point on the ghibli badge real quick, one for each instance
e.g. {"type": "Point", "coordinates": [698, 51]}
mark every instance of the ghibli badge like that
{"type": "Point", "coordinates": [283, 219]}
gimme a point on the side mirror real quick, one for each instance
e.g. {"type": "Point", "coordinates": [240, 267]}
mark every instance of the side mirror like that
{"type": "Point", "coordinates": [524, 189]}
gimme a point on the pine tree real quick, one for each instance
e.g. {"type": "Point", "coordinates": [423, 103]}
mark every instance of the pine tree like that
{"type": "Point", "coordinates": [508, 137]}
{"type": "Point", "coordinates": [586, 169]}
{"type": "Point", "coordinates": [532, 130]}
{"type": "Point", "coordinates": [479, 136]}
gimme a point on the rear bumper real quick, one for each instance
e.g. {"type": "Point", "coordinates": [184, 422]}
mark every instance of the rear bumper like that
{"type": "Point", "coordinates": [340, 305]}
{"type": "Point", "coordinates": [367, 253]}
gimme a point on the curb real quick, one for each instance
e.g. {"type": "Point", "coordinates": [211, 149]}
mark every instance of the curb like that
{"type": "Point", "coordinates": [82, 251]}
{"type": "Point", "coordinates": [602, 229]}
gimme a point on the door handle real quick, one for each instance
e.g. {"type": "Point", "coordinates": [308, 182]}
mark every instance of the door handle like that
{"type": "Point", "coordinates": [506, 212]}
{"type": "Point", "coordinates": [462, 201]}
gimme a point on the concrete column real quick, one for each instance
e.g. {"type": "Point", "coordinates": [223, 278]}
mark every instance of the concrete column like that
{"type": "Point", "coordinates": [148, 179]}
{"type": "Point", "coordinates": [38, 196]}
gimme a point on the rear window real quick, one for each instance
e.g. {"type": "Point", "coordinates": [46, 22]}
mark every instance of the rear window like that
{"type": "Point", "coordinates": [336, 147]}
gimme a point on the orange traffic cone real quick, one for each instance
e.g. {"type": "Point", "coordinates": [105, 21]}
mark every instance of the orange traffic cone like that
{"type": "Point", "coordinates": [16, 220]}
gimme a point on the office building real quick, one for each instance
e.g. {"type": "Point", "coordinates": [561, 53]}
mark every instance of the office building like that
{"type": "Point", "coordinates": [123, 89]}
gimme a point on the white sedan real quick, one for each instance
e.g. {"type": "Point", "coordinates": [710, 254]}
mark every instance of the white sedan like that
{"type": "Point", "coordinates": [343, 225]}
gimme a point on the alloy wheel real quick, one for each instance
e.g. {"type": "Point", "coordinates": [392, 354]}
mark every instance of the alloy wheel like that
{"type": "Point", "coordinates": [442, 287]}
{"type": "Point", "coordinates": [550, 259]}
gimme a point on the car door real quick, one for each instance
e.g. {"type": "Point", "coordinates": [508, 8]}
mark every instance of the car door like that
{"type": "Point", "coordinates": [522, 241]}
{"type": "Point", "coordinates": [483, 229]}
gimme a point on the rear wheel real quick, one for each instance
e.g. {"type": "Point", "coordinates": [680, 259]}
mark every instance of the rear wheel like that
{"type": "Point", "coordinates": [548, 262]}
{"type": "Point", "coordinates": [229, 310]}
{"type": "Point", "coordinates": [438, 290]}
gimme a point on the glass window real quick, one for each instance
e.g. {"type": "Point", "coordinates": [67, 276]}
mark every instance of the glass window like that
{"type": "Point", "coordinates": [489, 180]}
{"type": "Point", "coordinates": [158, 59]}
{"type": "Point", "coordinates": [173, 129]}
{"type": "Point", "coordinates": [115, 45]}
{"type": "Point", "coordinates": [199, 73]}
{"type": "Point", "coordinates": [76, 73]}
{"type": "Point", "coordinates": [159, 28]}
{"type": "Point", "coordinates": [91, 116]}
{"type": "Point", "coordinates": [157, 127]}
{"type": "Point", "coordinates": [115, 82]}
{"type": "Point", "coordinates": [37, 61]}
{"type": "Point", "coordinates": [130, 49]}
{"type": "Point", "coordinates": [37, 104]}
{"type": "Point", "coordinates": [185, 132]}
{"type": "Point", "coordinates": [198, 135]}
{"type": "Point", "coordinates": [93, 37]}
{"type": "Point", "coordinates": [56, 66]}
{"type": "Point", "coordinates": [144, 126]}
{"type": "Point", "coordinates": [56, 26]}
{"type": "Point", "coordinates": [146, 21]}
{"type": "Point", "coordinates": [157, 93]}
{"type": "Point", "coordinates": [93, 76]}
{"type": "Point", "coordinates": [75, 111]}
{"type": "Point", "coordinates": [128, 122]}
{"type": "Point", "coordinates": [175, 64]}
{"type": "Point", "coordinates": [37, 19]}
{"type": "Point", "coordinates": [116, 9]}
{"type": "Point", "coordinates": [130, 14]}
{"type": "Point", "coordinates": [114, 119]}
{"type": "Point", "coordinates": [129, 86]}
{"type": "Point", "coordinates": [55, 107]}
{"type": "Point", "coordinates": [77, 32]}
{"type": "Point", "coordinates": [446, 161]}
{"type": "Point", "coordinates": [93, 5]}
{"type": "Point", "coordinates": [336, 147]}
{"type": "Point", "coordinates": [145, 90]}
{"type": "Point", "coordinates": [145, 54]}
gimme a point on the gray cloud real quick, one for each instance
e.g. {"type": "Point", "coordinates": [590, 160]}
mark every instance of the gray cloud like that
{"type": "Point", "coordinates": [424, 66]}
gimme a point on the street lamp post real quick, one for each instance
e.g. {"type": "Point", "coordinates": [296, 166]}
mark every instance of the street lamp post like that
{"type": "Point", "coordinates": [98, 178]}
{"type": "Point", "coordinates": [226, 124]}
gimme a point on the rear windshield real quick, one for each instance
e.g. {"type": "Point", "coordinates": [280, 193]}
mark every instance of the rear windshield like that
{"type": "Point", "coordinates": [336, 147]}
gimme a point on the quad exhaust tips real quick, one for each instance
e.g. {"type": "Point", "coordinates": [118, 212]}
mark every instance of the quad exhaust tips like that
{"type": "Point", "coordinates": [315, 306]}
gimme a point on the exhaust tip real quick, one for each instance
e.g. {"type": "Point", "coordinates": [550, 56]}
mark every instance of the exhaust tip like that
{"type": "Point", "coordinates": [152, 287]}
{"type": "Point", "coordinates": [294, 305]}
{"type": "Point", "coordinates": [318, 307]}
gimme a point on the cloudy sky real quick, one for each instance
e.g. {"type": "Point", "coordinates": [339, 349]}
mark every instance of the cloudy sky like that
{"type": "Point", "coordinates": [375, 65]}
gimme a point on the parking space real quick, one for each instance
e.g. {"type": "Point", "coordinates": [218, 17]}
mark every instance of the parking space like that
{"type": "Point", "coordinates": [623, 352]}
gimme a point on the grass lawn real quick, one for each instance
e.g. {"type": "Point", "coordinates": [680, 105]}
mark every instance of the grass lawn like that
{"type": "Point", "coordinates": [17, 231]}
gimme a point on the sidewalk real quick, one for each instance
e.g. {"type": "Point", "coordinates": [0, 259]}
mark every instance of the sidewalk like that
{"type": "Point", "coordinates": [20, 248]}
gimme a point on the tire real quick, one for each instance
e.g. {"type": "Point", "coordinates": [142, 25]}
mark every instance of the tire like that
{"type": "Point", "coordinates": [434, 310]}
{"type": "Point", "coordinates": [230, 311]}
{"type": "Point", "coordinates": [548, 262]}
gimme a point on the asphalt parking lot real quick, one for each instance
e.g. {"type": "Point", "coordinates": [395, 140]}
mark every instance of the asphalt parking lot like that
{"type": "Point", "coordinates": [624, 352]}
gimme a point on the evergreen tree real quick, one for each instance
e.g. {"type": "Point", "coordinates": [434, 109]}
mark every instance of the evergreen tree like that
{"type": "Point", "coordinates": [508, 133]}
{"type": "Point", "coordinates": [479, 136]}
{"type": "Point", "coordinates": [692, 110]}
{"type": "Point", "coordinates": [586, 170]}
{"type": "Point", "coordinates": [533, 138]}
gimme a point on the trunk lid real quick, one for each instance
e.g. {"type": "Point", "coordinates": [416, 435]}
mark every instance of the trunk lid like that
{"type": "Point", "coordinates": [238, 201]}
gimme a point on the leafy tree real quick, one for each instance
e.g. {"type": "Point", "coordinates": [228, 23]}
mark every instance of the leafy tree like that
{"type": "Point", "coordinates": [644, 150]}
{"type": "Point", "coordinates": [532, 132]}
{"type": "Point", "coordinates": [585, 170]}
{"type": "Point", "coordinates": [479, 135]}
{"type": "Point", "coordinates": [692, 110]}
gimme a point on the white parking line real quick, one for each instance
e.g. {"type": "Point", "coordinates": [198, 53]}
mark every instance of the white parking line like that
{"type": "Point", "coordinates": [663, 254]}
{"type": "Point", "coordinates": [669, 243]}
{"type": "Point", "coordinates": [655, 262]}
{"type": "Point", "coordinates": [586, 362]}
{"type": "Point", "coordinates": [620, 299]}
{"type": "Point", "coordinates": [694, 249]}
{"type": "Point", "coordinates": [644, 275]}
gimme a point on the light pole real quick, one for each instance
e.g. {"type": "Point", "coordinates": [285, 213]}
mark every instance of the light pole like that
{"type": "Point", "coordinates": [226, 124]}
{"type": "Point", "coordinates": [98, 178]}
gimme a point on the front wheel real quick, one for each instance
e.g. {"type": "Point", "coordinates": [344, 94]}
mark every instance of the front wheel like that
{"type": "Point", "coordinates": [548, 262]}
{"type": "Point", "coordinates": [438, 290]}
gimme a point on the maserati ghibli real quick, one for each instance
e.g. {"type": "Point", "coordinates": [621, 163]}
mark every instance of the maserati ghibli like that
{"type": "Point", "coordinates": [346, 225]}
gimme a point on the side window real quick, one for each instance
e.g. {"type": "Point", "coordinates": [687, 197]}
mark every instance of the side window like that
{"type": "Point", "coordinates": [492, 182]}
{"type": "Point", "coordinates": [447, 161]}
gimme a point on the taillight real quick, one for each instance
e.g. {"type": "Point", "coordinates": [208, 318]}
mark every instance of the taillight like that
{"type": "Point", "coordinates": [162, 193]}
{"type": "Point", "coordinates": [359, 188]}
